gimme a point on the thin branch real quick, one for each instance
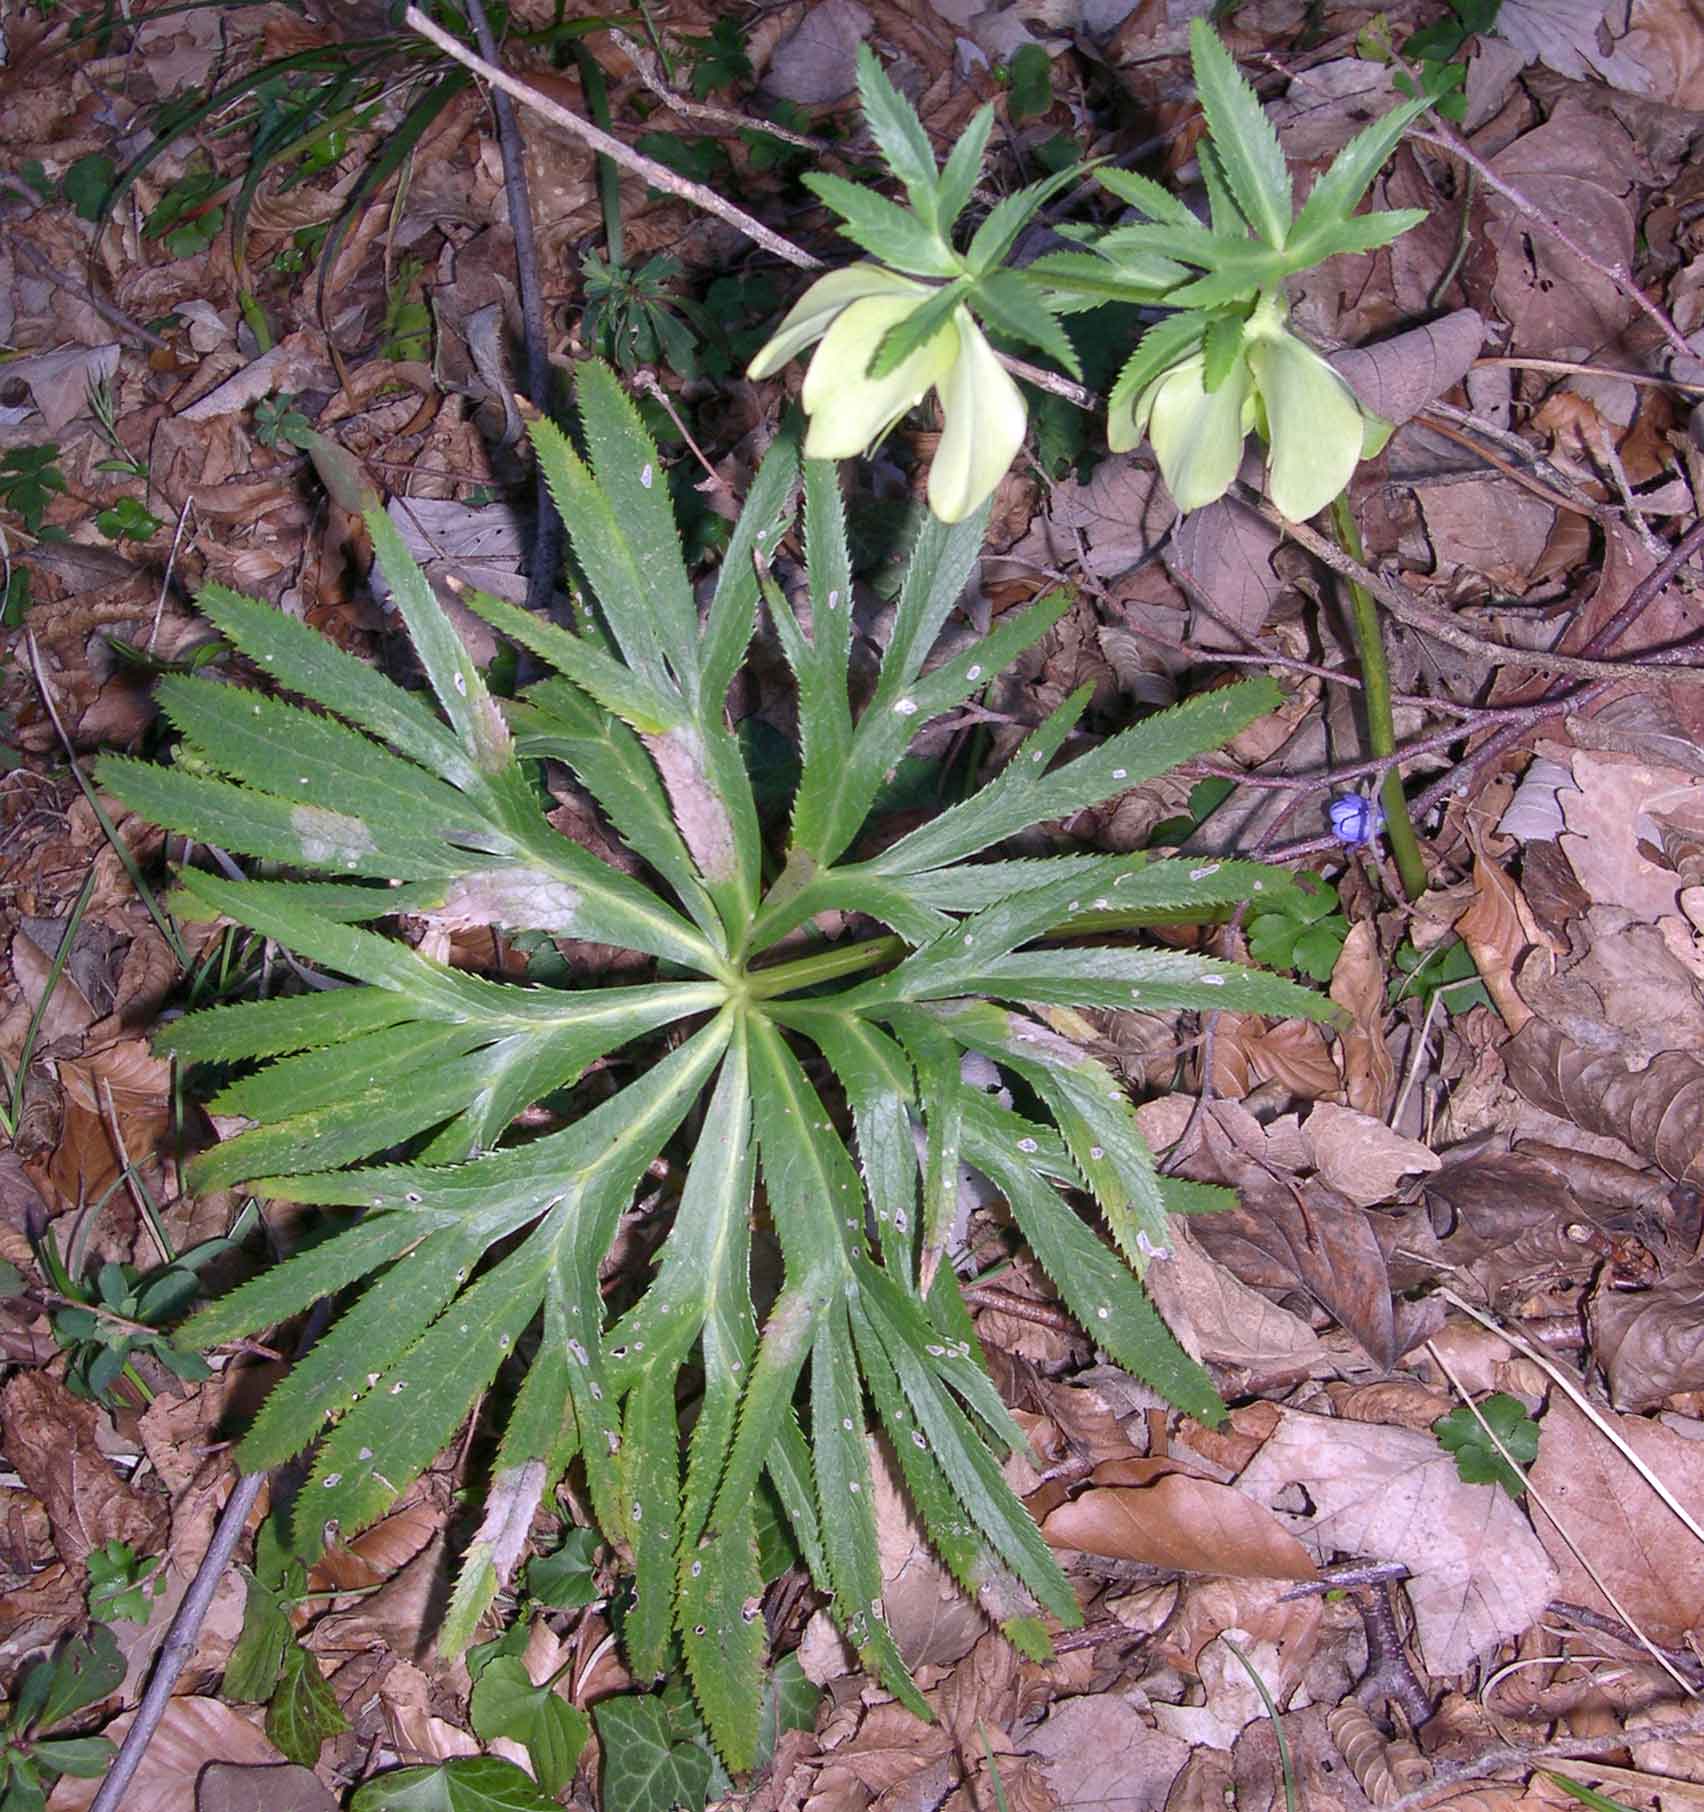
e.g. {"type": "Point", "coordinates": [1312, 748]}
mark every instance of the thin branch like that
{"type": "Point", "coordinates": [1569, 368]}
{"type": "Point", "coordinates": [1407, 608]}
{"type": "Point", "coordinates": [1452, 145]}
{"type": "Point", "coordinates": [649, 66]}
{"type": "Point", "coordinates": [106, 310]}
{"type": "Point", "coordinates": [547, 525]}
{"type": "Point", "coordinates": [660, 176]}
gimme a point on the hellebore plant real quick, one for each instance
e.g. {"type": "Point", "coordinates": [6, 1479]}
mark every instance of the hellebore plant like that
{"type": "Point", "coordinates": [888, 339]}
{"type": "Point", "coordinates": [754, 1062]}
{"type": "Point", "coordinates": [1226, 362]}
{"type": "Point", "coordinates": [1223, 363]}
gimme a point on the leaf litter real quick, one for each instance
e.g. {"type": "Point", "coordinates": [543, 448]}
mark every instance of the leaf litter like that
{"type": "Point", "coordinates": [1541, 1154]}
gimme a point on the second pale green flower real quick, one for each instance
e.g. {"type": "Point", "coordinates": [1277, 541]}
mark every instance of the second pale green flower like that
{"type": "Point", "coordinates": [1315, 428]}
{"type": "Point", "coordinates": [851, 312]}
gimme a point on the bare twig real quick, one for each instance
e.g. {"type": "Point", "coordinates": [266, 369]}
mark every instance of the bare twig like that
{"type": "Point", "coordinates": [1407, 608]}
{"type": "Point", "coordinates": [105, 309]}
{"type": "Point", "coordinates": [650, 71]}
{"type": "Point", "coordinates": [660, 176]}
{"type": "Point", "coordinates": [547, 526]}
{"type": "Point", "coordinates": [1452, 145]}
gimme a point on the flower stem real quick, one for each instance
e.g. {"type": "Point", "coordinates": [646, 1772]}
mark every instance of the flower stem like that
{"type": "Point", "coordinates": [1381, 732]}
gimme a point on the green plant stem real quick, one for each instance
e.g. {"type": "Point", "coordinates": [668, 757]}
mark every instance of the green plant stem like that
{"type": "Point", "coordinates": [827, 965]}
{"type": "Point", "coordinates": [1381, 731]}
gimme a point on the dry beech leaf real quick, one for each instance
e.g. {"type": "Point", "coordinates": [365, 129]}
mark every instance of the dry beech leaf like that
{"type": "Point", "coordinates": [1223, 554]}
{"type": "Point", "coordinates": [50, 1441]}
{"type": "Point", "coordinates": [1187, 1523]}
{"type": "Point", "coordinates": [1098, 1751]}
{"type": "Point", "coordinates": [232, 1787]}
{"type": "Point", "coordinates": [1358, 986]}
{"type": "Point", "coordinates": [1477, 1573]}
{"type": "Point", "coordinates": [1361, 1156]}
{"type": "Point", "coordinates": [1658, 1111]}
{"type": "Point", "coordinates": [190, 1734]}
{"type": "Point", "coordinates": [1222, 1321]}
{"type": "Point", "coordinates": [1286, 1235]}
{"type": "Point", "coordinates": [1497, 929]}
{"type": "Point", "coordinates": [1613, 840]}
{"type": "Point", "coordinates": [1397, 378]}
{"type": "Point", "coordinates": [1647, 1340]}
{"type": "Point", "coordinates": [1637, 1544]}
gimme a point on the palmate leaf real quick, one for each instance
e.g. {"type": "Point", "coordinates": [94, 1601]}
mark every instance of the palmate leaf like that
{"type": "Point", "coordinates": [1243, 137]}
{"type": "Point", "coordinates": [819, 1089]}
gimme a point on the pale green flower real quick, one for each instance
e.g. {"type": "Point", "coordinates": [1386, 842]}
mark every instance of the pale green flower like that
{"type": "Point", "coordinates": [1315, 428]}
{"type": "Point", "coordinates": [851, 311]}
{"type": "Point", "coordinates": [1197, 433]}
{"type": "Point", "coordinates": [1314, 422]}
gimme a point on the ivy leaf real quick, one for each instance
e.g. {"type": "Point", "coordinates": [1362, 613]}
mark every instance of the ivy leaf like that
{"type": "Point", "coordinates": [466, 1783]}
{"type": "Point", "coordinates": [565, 1579]}
{"type": "Point", "coordinates": [304, 1711]}
{"type": "Point", "coordinates": [506, 1703]}
{"type": "Point", "coordinates": [647, 1767]}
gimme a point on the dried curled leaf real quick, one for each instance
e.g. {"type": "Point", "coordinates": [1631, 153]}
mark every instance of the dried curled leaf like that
{"type": "Point", "coordinates": [1658, 1111]}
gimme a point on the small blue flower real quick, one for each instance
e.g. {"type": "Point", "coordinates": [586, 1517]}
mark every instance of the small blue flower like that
{"type": "Point", "coordinates": [1355, 820]}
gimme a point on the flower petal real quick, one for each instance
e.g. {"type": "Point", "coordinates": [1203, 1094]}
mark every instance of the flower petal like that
{"type": "Point", "coordinates": [1197, 434]}
{"type": "Point", "coordinates": [811, 316]}
{"type": "Point", "coordinates": [985, 422]}
{"type": "Point", "coordinates": [849, 411]}
{"type": "Point", "coordinates": [1313, 421]}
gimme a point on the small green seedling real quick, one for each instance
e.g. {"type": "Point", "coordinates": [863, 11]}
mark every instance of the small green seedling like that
{"type": "Point", "coordinates": [279, 423]}
{"type": "Point", "coordinates": [107, 1326]}
{"type": "Point", "coordinates": [86, 1670]}
{"type": "Point", "coordinates": [1477, 1457]}
{"type": "Point", "coordinates": [1304, 932]}
{"type": "Point", "coordinates": [129, 519]}
{"type": "Point", "coordinates": [1446, 972]}
{"type": "Point", "coordinates": [720, 60]}
{"type": "Point", "coordinates": [637, 317]}
{"type": "Point", "coordinates": [122, 1583]}
{"type": "Point", "coordinates": [30, 479]}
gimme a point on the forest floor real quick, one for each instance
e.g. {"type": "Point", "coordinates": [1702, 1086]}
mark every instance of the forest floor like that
{"type": "Point", "coordinates": [1512, 1112]}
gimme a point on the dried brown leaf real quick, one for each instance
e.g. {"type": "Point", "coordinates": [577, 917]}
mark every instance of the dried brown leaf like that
{"type": "Point", "coordinates": [1657, 1111]}
{"type": "Point", "coordinates": [1098, 1751]}
{"type": "Point", "coordinates": [51, 1442]}
{"type": "Point", "coordinates": [1358, 986]}
{"type": "Point", "coordinates": [1360, 1156]}
{"type": "Point", "coordinates": [1647, 1340]}
{"type": "Point", "coordinates": [1186, 1523]}
{"type": "Point", "coordinates": [1636, 1543]}
{"type": "Point", "coordinates": [1477, 1573]}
